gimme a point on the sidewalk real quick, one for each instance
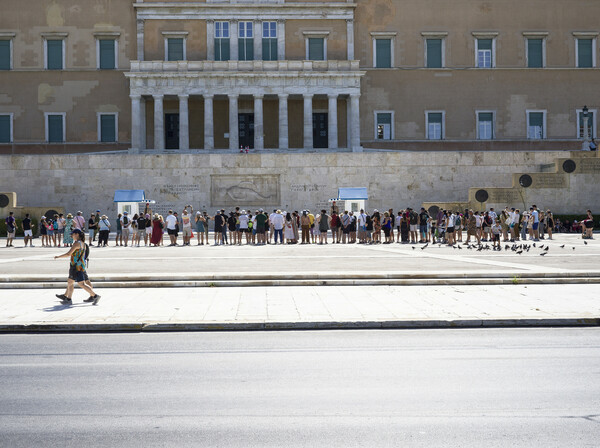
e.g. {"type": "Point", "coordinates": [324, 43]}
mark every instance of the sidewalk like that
{"type": "Point", "coordinates": [303, 307]}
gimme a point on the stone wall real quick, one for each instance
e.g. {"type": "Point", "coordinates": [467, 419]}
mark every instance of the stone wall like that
{"type": "Point", "coordinates": [295, 181]}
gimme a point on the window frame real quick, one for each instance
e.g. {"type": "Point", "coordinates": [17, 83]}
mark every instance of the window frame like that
{"type": "Point", "coordinates": [243, 40]}
{"type": "Point", "coordinates": [116, 50]}
{"type": "Point", "coordinates": [441, 35]}
{"type": "Point", "coordinates": [9, 37]}
{"type": "Point", "coordinates": [543, 36]}
{"type": "Point", "coordinates": [586, 36]}
{"type": "Point", "coordinates": [315, 35]}
{"type": "Point", "coordinates": [594, 123]}
{"type": "Point", "coordinates": [443, 130]}
{"type": "Point", "coordinates": [221, 39]}
{"type": "Point", "coordinates": [387, 35]}
{"type": "Point", "coordinates": [544, 123]}
{"type": "Point", "coordinates": [485, 111]}
{"type": "Point", "coordinates": [55, 36]}
{"type": "Point", "coordinates": [392, 117]}
{"type": "Point", "coordinates": [270, 39]}
{"type": "Point", "coordinates": [175, 35]}
{"type": "Point", "coordinates": [99, 125]}
{"type": "Point", "coordinates": [485, 35]}
{"type": "Point", "coordinates": [64, 126]}
{"type": "Point", "coordinates": [11, 136]}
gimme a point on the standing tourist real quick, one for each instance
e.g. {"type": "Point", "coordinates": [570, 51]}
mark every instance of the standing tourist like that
{"type": "Point", "coordinates": [119, 235]}
{"type": "Point", "coordinates": [27, 231]}
{"type": "Point", "coordinates": [77, 270]}
{"type": "Point", "coordinates": [171, 224]}
{"type": "Point", "coordinates": [587, 226]}
{"type": "Point", "coordinates": [472, 228]}
{"type": "Point", "coordinates": [157, 231]}
{"type": "Point", "coordinates": [261, 221]}
{"type": "Point", "coordinates": [104, 230]}
{"type": "Point", "coordinates": [60, 229]}
{"type": "Point", "coordinates": [549, 223]}
{"type": "Point", "coordinates": [125, 226]}
{"type": "Point", "coordinates": [218, 232]}
{"type": "Point", "coordinates": [387, 226]}
{"type": "Point", "coordinates": [200, 221]}
{"type": "Point", "coordinates": [423, 220]}
{"type": "Point", "coordinates": [404, 227]}
{"type": "Point", "coordinates": [305, 226]}
{"type": "Point", "coordinates": [324, 223]}
{"type": "Point", "coordinates": [92, 228]}
{"type": "Point", "coordinates": [11, 227]}
{"type": "Point", "coordinates": [141, 229]}
{"type": "Point", "coordinates": [186, 225]}
{"type": "Point", "coordinates": [67, 238]}
{"type": "Point", "coordinates": [376, 226]}
{"type": "Point", "coordinates": [414, 229]}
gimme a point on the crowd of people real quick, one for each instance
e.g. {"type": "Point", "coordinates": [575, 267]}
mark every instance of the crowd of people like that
{"type": "Point", "coordinates": [259, 227]}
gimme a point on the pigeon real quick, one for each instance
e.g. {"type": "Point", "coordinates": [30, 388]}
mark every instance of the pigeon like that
{"type": "Point", "coordinates": [542, 246]}
{"type": "Point", "coordinates": [573, 247]}
{"type": "Point", "coordinates": [423, 248]}
{"type": "Point", "coordinates": [585, 242]}
{"type": "Point", "coordinates": [413, 247]}
{"type": "Point", "coordinates": [460, 247]}
{"type": "Point", "coordinates": [547, 249]}
{"type": "Point", "coordinates": [533, 244]}
{"type": "Point", "coordinates": [543, 253]}
{"type": "Point", "coordinates": [562, 247]}
{"type": "Point", "coordinates": [520, 251]}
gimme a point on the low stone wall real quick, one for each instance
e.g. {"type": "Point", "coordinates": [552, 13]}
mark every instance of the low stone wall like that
{"type": "Point", "coordinates": [293, 181]}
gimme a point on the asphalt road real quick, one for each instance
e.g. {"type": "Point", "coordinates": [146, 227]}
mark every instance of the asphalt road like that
{"type": "Point", "coordinates": [425, 388]}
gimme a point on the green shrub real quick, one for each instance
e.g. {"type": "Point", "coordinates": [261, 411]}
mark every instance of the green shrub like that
{"type": "Point", "coordinates": [34, 227]}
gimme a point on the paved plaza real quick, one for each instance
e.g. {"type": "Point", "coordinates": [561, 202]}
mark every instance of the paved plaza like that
{"type": "Point", "coordinates": [274, 287]}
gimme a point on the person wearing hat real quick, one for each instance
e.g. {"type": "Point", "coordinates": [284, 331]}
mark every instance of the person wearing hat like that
{"type": "Point", "coordinates": [77, 270]}
{"type": "Point", "coordinates": [104, 227]}
{"type": "Point", "coordinates": [79, 222]}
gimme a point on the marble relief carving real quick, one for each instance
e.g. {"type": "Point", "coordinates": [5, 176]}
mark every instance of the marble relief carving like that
{"type": "Point", "coordinates": [256, 190]}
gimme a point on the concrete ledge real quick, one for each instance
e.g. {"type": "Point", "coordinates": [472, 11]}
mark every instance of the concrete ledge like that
{"type": "Point", "coordinates": [299, 325]}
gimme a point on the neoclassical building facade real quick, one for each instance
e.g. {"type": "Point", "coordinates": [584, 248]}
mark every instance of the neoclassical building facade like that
{"type": "Point", "coordinates": [80, 76]}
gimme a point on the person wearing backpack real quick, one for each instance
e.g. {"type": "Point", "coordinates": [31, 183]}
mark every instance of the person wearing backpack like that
{"type": "Point", "coordinates": [11, 227]}
{"type": "Point", "coordinates": [125, 225]}
{"type": "Point", "coordinates": [79, 254]}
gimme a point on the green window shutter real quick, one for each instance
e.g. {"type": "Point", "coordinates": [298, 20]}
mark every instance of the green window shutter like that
{"type": "Point", "coordinates": [245, 49]}
{"type": "Point", "coordinates": [536, 119]}
{"type": "Point", "coordinates": [484, 44]}
{"type": "Point", "coordinates": [54, 53]}
{"type": "Point", "coordinates": [175, 49]}
{"type": "Point", "coordinates": [434, 53]}
{"type": "Point", "coordinates": [435, 117]}
{"type": "Point", "coordinates": [4, 54]}
{"type": "Point", "coordinates": [384, 118]}
{"type": "Point", "coordinates": [535, 58]}
{"type": "Point", "coordinates": [383, 53]}
{"type": "Point", "coordinates": [55, 129]}
{"type": "Point", "coordinates": [221, 49]}
{"type": "Point", "coordinates": [266, 50]}
{"type": "Point", "coordinates": [4, 128]}
{"type": "Point", "coordinates": [107, 54]}
{"type": "Point", "coordinates": [584, 53]}
{"type": "Point", "coordinates": [107, 128]}
{"type": "Point", "coordinates": [316, 50]}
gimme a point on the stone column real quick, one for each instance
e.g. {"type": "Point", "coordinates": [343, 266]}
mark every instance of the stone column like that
{"type": "Point", "coordinates": [283, 121]}
{"type": "Point", "coordinates": [234, 141]}
{"type": "Point", "coordinates": [332, 123]}
{"type": "Point", "coordinates": [159, 125]}
{"type": "Point", "coordinates": [135, 123]}
{"type": "Point", "coordinates": [308, 121]}
{"type": "Point", "coordinates": [348, 125]}
{"type": "Point", "coordinates": [233, 40]}
{"type": "Point", "coordinates": [281, 40]}
{"type": "Point", "coordinates": [143, 123]}
{"type": "Point", "coordinates": [259, 130]}
{"type": "Point", "coordinates": [184, 123]}
{"type": "Point", "coordinates": [140, 39]}
{"type": "Point", "coordinates": [257, 40]}
{"type": "Point", "coordinates": [210, 40]}
{"type": "Point", "coordinates": [355, 122]}
{"type": "Point", "coordinates": [350, 38]}
{"type": "Point", "coordinates": [209, 132]}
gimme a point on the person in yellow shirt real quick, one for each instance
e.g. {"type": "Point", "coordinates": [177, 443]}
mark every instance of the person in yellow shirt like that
{"type": "Point", "coordinates": [311, 217]}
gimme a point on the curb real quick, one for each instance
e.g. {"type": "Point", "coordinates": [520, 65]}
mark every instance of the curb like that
{"type": "Point", "coordinates": [156, 327]}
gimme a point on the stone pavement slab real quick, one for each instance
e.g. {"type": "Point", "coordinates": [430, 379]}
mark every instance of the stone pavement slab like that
{"type": "Point", "coordinates": [152, 309]}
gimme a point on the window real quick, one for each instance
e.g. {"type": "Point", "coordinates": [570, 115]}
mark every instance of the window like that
{"type": "Point", "coordinates": [55, 127]}
{"type": "Point", "coordinates": [586, 52]}
{"type": "Point", "coordinates": [54, 54]}
{"type": "Point", "coordinates": [384, 129]}
{"type": "Point", "coordinates": [6, 128]}
{"type": "Point", "coordinates": [175, 49]}
{"type": "Point", "coordinates": [485, 125]}
{"type": "Point", "coordinates": [107, 127]}
{"type": "Point", "coordinates": [383, 53]}
{"type": "Point", "coordinates": [536, 125]}
{"type": "Point", "coordinates": [221, 41]}
{"type": "Point", "coordinates": [435, 125]}
{"type": "Point", "coordinates": [592, 113]}
{"type": "Point", "coordinates": [269, 41]}
{"type": "Point", "coordinates": [6, 51]}
{"type": "Point", "coordinates": [245, 41]}
{"type": "Point", "coordinates": [434, 53]}
{"type": "Point", "coordinates": [107, 54]}
{"type": "Point", "coordinates": [316, 49]}
{"type": "Point", "coordinates": [535, 53]}
{"type": "Point", "coordinates": [485, 53]}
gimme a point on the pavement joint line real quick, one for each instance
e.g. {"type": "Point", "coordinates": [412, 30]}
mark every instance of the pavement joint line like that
{"type": "Point", "coordinates": [296, 325]}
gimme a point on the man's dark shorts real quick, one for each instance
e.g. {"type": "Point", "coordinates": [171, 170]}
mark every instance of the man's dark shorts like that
{"type": "Point", "coordinates": [172, 231]}
{"type": "Point", "coordinates": [78, 276]}
{"type": "Point", "coordinates": [260, 228]}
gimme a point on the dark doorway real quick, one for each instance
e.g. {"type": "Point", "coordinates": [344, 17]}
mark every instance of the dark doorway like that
{"type": "Point", "coordinates": [171, 131]}
{"type": "Point", "coordinates": [320, 130]}
{"type": "Point", "coordinates": [246, 130]}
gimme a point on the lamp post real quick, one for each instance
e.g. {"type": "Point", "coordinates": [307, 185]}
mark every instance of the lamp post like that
{"type": "Point", "coordinates": [586, 141]}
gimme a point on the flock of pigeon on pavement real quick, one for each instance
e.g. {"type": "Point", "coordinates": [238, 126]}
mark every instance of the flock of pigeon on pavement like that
{"type": "Point", "coordinates": [516, 248]}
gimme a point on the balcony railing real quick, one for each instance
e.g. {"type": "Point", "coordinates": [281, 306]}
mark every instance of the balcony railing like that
{"type": "Point", "coordinates": [243, 66]}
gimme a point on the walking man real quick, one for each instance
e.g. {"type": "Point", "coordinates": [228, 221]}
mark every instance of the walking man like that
{"type": "Point", "coordinates": [10, 229]}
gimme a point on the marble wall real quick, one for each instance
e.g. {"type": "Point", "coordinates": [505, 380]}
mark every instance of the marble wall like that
{"type": "Point", "coordinates": [294, 181]}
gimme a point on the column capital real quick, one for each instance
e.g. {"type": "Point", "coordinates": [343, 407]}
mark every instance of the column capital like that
{"type": "Point", "coordinates": [208, 96]}
{"type": "Point", "coordinates": [258, 96]}
{"type": "Point", "coordinates": [158, 96]}
{"type": "Point", "coordinates": [183, 96]}
{"type": "Point", "coordinates": [283, 95]}
{"type": "Point", "coordinates": [350, 21]}
{"type": "Point", "coordinates": [308, 95]}
{"type": "Point", "coordinates": [332, 95]}
{"type": "Point", "coordinates": [210, 20]}
{"type": "Point", "coordinates": [135, 97]}
{"type": "Point", "coordinates": [233, 96]}
{"type": "Point", "coordinates": [282, 21]}
{"type": "Point", "coordinates": [355, 95]}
